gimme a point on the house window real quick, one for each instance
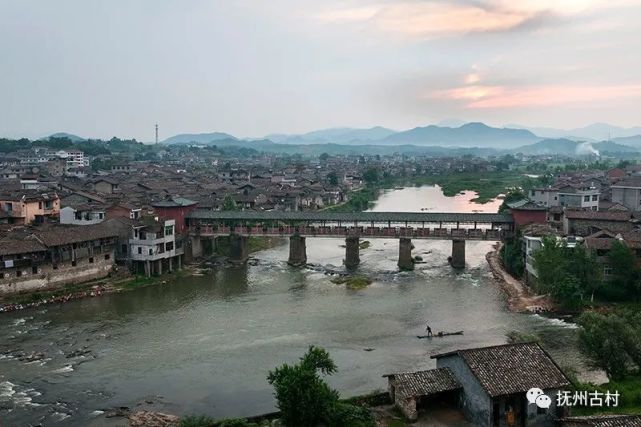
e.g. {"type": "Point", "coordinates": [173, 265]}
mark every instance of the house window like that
{"type": "Point", "coordinates": [107, 256]}
{"type": "Point", "coordinates": [123, 249]}
{"type": "Point", "coordinates": [101, 215]}
{"type": "Point", "coordinates": [586, 198]}
{"type": "Point", "coordinates": [169, 246]}
{"type": "Point", "coordinates": [139, 250]}
{"type": "Point", "coordinates": [18, 273]}
{"type": "Point", "coordinates": [74, 263]}
{"type": "Point", "coordinates": [34, 269]}
{"type": "Point", "coordinates": [169, 230]}
{"type": "Point", "coordinates": [39, 205]}
{"type": "Point", "coordinates": [595, 197]}
{"type": "Point", "coordinates": [91, 260]}
{"type": "Point", "coordinates": [151, 251]}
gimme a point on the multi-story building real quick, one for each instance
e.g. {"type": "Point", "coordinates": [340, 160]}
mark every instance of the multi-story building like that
{"type": "Point", "coordinates": [627, 192]}
{"type": "Point", "coordinates": [54, 256]}
{"type": "Point", "coordinates": [582, 196]}
{"type": "Point", "coordinates": [153, 247]}
{"type": "Point", "coordinates": [29, 206]}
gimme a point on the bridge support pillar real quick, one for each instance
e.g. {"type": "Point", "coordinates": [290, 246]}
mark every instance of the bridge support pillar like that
{"type": "Point", "coordinates": [352, 258]}
{"type": "Point", "coordinates": [458, 253]}
{"type": "Point", "coordinates": [238, 249]}
{"type": "Point", "coordinates": [405, 261]}
{"type": "Point", "coordinates": [297, 251]}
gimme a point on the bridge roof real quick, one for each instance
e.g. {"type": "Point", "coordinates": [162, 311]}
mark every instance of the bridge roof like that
{"type": "Point", "coordinates": [352, 216]}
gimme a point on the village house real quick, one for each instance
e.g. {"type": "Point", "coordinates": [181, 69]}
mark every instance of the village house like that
{"type": "Point", "coordinates": [627, 192]}
{"type": "Point", "coordinates": [54, 256]}
{"type": "Point", "coordinates": [84, 214]}
{"type": "Point", "coordinates": [486, 384]}
{"type": "Point", "coordinates": [584, 223]}
{"type": "Point", "coordinates": [153, 247]}
{"type": "Point", "coordinates": [29, 207]}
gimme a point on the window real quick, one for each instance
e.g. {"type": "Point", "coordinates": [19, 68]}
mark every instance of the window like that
{"type": "Point", "coordinates": [18, 273]}
{"type": "Point", "coordinates": [39, 205]}
{"type": "Point", "coordinates": [139, 250]}
{"type": "Point", "coordinates": [586, 198]}
{"type": "Point", "coordinates": [107, 256]}
{"type": "Point", "coordinates": [595, 197]}
{"type": "Point", "coordinates": [74, 263]}
{"type": "Point", "coordinates": [101, 215]}
{"type": "Point", "coordinates": [169, 246]}
{"type": "Point", "coordinates": [90, 260]}
{"type": "Point", "coordinates": [169, 230]}
{"type": "Point", "coordinates": [123, 249]}
{"type": "Point", "coordinates": [151, 251]}
{"type": "Point", "coordinates": [34, 269]}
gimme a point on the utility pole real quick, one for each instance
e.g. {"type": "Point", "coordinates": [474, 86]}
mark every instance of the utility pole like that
{"type": "Point", "coordinates": [156, 133]}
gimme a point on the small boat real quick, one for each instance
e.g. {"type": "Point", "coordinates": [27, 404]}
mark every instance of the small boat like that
{"type": "Point", "coordinates": [440, 334]}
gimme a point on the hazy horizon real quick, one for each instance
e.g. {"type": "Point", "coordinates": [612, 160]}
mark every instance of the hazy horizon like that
{"type": "Point", "coordinates": [251, 68]}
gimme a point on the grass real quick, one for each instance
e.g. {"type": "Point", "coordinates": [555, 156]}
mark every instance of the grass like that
{"type": "Point", "coordinates": [487, 185]}
{"type": "Point", "coordinates": [629, 397]}
{"type": "Point", "coordinates": [353, 282]}
{"type": "Point", "coordinates": [364, 244]}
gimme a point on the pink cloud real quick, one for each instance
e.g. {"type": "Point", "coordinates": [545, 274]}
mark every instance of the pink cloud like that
{"type": "Point", "coordinates": [480, 97]}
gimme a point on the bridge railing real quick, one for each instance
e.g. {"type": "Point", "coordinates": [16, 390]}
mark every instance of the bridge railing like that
{"type": "Point", "coordinates": [335, 231]}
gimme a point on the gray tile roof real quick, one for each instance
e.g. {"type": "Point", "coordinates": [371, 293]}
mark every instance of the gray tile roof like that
{"type": "Point", "coordinates": [424, 383]}
{"type": "Point", "coordinates": [603, 421]}
{"type": "Point", "coordinates": [349, 216]}
{"type": "Point", "coordinates": [512, 368]}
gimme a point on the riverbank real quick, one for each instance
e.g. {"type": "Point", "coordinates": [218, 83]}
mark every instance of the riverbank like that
{"type": "Point", "coordinates": [520, 298]}
{"type": "Point", "coordinates": [118, 281]}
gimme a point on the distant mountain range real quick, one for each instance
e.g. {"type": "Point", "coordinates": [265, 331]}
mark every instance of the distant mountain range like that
{"type": "Point", "coordinates": [448, 137]}
{"type": "Point", "coordinates": [198, 138]}
{"type": "Point", "coordinates": [593, 132]}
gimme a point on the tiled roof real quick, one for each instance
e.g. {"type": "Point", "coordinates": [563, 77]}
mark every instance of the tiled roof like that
{"type": "Point", "coordinates": [173, 203]}
{"type": "Point", "coordinates": [603, 421]}
{"type": "Point", "coordinates": [356, 216]}
{"type": "Point", "coordinates": [598, 215]}
{"type": "Point", "coordinates": [64, 235]}
{"type": "Point", "coordinates": [512, 368]}
{"type": "Point", "coordinates": [424, 383]}
{"type": "Point", "coordinates": [634, 182]}
{"type": "Point", "coordinates": [10, 245]}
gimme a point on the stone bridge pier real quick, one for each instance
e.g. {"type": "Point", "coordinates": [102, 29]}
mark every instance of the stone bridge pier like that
{"type": "Point", "coordinates": [457, 260]}
{"type": "Point", "coordinates": [238, 248]}
{"type": "Point", "coordinates": [405, 260]}
{"type": "Point", "coordinates": [352, 258]}
{"type": "Point", "coordinates": [297, 251]}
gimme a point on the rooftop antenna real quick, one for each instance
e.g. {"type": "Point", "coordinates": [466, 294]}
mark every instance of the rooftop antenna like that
{"type": "Point", "coordinates": [156, 133]}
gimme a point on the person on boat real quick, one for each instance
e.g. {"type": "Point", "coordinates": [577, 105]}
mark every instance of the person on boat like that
{"type": "Point", "coordinates": [429, 331]}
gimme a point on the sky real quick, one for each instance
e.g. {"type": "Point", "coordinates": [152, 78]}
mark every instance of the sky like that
{"type": "Point", "coordinates": [106, 68]}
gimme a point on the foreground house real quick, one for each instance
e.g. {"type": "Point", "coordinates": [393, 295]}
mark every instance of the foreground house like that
{"type": "Point", "coordinates": [485, 383]}
{"type": "Point", "coordinates": [55, 256]}
{"type": "Point", "coordinates": [153, 247]}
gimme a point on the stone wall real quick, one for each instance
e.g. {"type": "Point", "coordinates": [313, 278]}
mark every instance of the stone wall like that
{"type": "Point", "coordinates": [48, 278]}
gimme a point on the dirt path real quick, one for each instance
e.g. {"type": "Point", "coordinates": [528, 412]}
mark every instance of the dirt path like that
{"type": "Point", "coordinates": [520, 299]}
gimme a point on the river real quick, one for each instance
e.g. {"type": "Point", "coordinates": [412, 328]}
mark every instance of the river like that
{"type": "Point", "coordinates": [204, 344]}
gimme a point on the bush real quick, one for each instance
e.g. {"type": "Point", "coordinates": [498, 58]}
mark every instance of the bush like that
{"type": "Point", "coordinates": [346, 415]}
{"type": "Point", "coordinates": [196, 421]}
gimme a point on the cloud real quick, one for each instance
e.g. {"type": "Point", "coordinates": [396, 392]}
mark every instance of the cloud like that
{"type": "Point", "coordinates": [442, 18]}
{"type": "Point", "coordinates": [498, 97]}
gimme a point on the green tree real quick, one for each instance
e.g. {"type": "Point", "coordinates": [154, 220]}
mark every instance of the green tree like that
{"type": "Point", "coordinates": [624, 270]}
{"type": "Point", "coordinates": [602, 339]}
{"type": "Point", "coordinates": [229, 204]}
{"type": "Point", "coordinates": [513, 195]}
{"type": "Point", "coordinates": [332, 178]}
{"type": "Point", "coordinates": [305, 399]}
{"type": "Point", "coordinates": [371, 176]}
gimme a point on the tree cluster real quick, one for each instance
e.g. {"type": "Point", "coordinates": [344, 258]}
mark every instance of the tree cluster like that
{"type": "Point", "coordinates": [306, 400]}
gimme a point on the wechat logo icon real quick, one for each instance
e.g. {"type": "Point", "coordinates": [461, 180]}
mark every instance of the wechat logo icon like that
{"type": "Point", "coordinates": [535, 396]}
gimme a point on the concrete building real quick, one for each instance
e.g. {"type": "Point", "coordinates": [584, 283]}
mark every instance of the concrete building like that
{"type": "Point", "coordinates": [29, 207]}
{"type": "Point", "coordinates": [82, 214]}
{"type": "Point", "coordinates": [627, 192]}
{"type": "Point", "coordinates": [153, 247]}
{"type": "Point", "coordinates": [176, 209]}
{"type": "Point", "coordinates": [582, 196]}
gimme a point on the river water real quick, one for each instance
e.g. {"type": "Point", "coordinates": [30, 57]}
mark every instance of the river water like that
{"type": "Point", "coordinates": [204, 344]}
